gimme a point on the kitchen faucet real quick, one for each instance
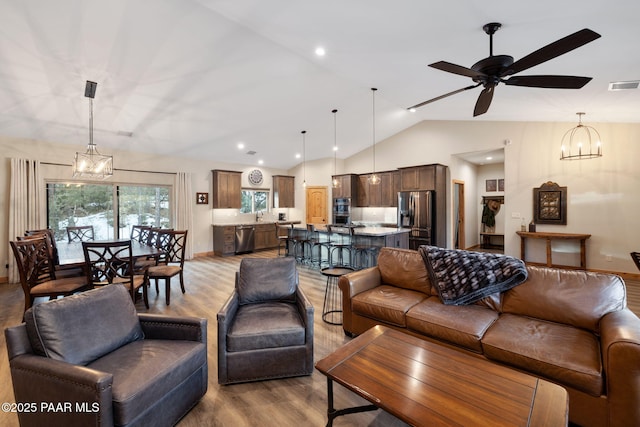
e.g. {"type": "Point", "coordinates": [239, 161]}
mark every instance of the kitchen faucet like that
{"type": "Point", "coordinates": [259, 215]}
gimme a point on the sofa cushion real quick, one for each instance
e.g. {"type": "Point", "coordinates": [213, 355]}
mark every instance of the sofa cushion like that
{"type": "Point", "coordinates": [404, 268]}
{"type": "Point", "coordinates": [386, 303]}
{"type": "Point", "coordinates": [146, 371]}
{"type": "Point", "coordinates": [459, 325]}
{"type": "Point", "coordinates": [73, 329]}
{"type": "Point", "coordinates": [561, 353]}
{"type": "Point", "coordinates": [572, 297]}
{"type": "Point", "coordinates": [267, 279]}
{"type": "Point", "coordinates": [266, 325]}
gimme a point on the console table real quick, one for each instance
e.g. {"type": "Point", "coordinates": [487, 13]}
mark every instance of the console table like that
{"type": "Point", "coordinates": [524, 235]}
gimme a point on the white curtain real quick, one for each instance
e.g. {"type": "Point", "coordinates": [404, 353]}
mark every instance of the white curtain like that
{"type": "Point", "coordinates": [184, 200]}
{"type": "Point", "coordinates": [24, 204]}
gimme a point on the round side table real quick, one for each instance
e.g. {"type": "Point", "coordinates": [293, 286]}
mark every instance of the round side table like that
{"type": "Point", "coordinates": [332, 306]}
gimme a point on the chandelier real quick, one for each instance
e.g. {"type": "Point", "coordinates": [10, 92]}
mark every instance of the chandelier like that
{"type": "Point", "coordinates": [92, 164]}
{"type": "Point", "coordinates": [374, 178]}
{"type": "Point", "coordinates": [335, 182]}
{"type": "Point", "coordinates": [581, 142]}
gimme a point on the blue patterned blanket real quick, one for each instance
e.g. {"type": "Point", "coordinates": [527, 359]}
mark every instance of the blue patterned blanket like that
{"type": "Point", "coordinates": [464, 277]}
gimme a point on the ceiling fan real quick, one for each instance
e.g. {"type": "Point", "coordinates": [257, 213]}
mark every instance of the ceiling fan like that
{"type": "Point", "coordinates": [490, 71]}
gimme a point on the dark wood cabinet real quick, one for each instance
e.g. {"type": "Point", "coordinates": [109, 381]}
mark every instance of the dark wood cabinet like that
{"type": "Point", "coordinates": [224, 240]}
{"type": "Point", "coordinates": [347, 188]}
{"type": "Point", "coordinates": [226, 189]}
{"type": "Point", "coordinates": [265, 236]}
{"type": "Point", "coordinates": [384, 194]}
{"type": "Point", "coordinates": [418, 178]}
{"type": "Point", "coordinates": [283, 191]}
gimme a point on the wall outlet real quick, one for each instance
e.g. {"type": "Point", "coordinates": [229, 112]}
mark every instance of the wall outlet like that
{"type": "Point", "coordinates": [515, 215]}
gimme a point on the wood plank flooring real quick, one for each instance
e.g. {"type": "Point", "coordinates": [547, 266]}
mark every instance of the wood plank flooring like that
{"type": "Point", "coordinates": [288, 402]}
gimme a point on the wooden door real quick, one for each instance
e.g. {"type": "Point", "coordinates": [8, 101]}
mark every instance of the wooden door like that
{"type": "Point", "coordinates": [317, 212]}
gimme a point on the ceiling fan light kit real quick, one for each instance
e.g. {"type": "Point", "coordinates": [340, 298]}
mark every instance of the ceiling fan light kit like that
{"type": "Point", "coordinates": [495, 69]}
{"type": "Point", "coordinates": [581, 142]}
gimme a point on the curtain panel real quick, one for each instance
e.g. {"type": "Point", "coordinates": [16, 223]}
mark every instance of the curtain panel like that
{"type": "Point", "coordinates": [183, 209]}
{"type": "Point", "coordinates": [25, 210]}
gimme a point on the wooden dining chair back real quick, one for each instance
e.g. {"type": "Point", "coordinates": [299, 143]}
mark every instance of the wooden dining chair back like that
{"type": "Point", "coordinates": [173, 245]}
{"type": "Point", "coordinates": [60, 271]}
{"type": "Point", "coordinates": [109, 263]}
{"type": "Point", "coordinates": [37, 273]}
{"type": "Point", "coordinates": [636, 258]}
{"type": "Point", "coordinates": [140, 233]}
{"type": "Point", "coordinates": [82, 233]}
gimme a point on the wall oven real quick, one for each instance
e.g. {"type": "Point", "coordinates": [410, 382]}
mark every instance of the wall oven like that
{"type": "Point", "coordinates": [342, 211]}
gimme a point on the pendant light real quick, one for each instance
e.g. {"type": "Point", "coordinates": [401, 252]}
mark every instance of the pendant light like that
{"type": "Point", "coordinates": [92, 164]}
{"type": "Point", "coordinates": [581, 142]}
{"type": "Point", "coordinates": [374, 178]}
{"type": "Point", "coordinates": [304, 160]}
{"type": "Point", "coordinates": [335, 182]}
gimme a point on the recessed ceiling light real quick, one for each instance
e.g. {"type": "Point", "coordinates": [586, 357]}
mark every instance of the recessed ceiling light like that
{"type": "Point", "coordinates": [240, 145]}
{"type": "Point", "coordinates": [320, 51]}
{"type": "Point", "coordinates": [412, 110]}
{"type": "Point", "coordinates": [260, 161]}
{"type": "Point", "coordinates": [298, 155]}
{"type": "Point", "coordinates": [489, 158]}
{"type": "Point", "coordinates": [335, 148]}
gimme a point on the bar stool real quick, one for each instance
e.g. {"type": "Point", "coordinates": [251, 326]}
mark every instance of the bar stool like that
{"type": "Point", "coordinates": [332, 305]}
{"type": "Point", "coordinates": [364, 254]}
{"type": "Point", "coordinates": [314, 241]}
{"type": "Point", "coordinates": [340, 246]}
{"type": "Point", "coordinates": [299, 242]}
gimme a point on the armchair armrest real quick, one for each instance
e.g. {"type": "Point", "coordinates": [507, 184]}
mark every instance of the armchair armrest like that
{"type": "Point", "coordinates": [48, 381]}
{"type": "Point", "coordinates": [163, 327]}
{"type": "Point", "coordinates": [225, 318]}
{"type": "Point", "coordinates": [620, 340]}
{"type": "Point", "coordinates": [306, 311]}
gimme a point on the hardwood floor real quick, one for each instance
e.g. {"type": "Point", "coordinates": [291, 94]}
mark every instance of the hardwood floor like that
{"type": "Point", "coordinates": [289, 402]}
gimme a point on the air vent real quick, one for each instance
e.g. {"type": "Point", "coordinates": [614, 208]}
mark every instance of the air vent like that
{"type": "Point", "coordinates": [624, 85]}
{"type": "Point", "coordinates": [251, 152]}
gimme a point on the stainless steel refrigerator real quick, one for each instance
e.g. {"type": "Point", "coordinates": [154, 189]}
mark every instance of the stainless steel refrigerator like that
{"type": "Point", "coordinates": [416, 211]}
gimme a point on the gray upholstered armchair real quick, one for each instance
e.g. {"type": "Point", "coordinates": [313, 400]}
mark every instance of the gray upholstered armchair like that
{"type": "Point", "coordinates": [92, 355]}
{"type": "Point", "coordinates": [265, 329]}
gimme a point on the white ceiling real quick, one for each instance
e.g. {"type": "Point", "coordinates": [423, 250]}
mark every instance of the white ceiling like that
{"type": "Point", "coordinates": [195, 77]}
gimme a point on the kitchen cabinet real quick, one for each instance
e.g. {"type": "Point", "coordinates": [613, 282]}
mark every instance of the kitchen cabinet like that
{"type": "Point", "coordinates": [418, 178]}
{"type": "Point", "coordinates": [226, 189]}
{"type": "Point", "coordinates": [384, 194]}
{"type": "Point", "coordinates": [224, 240]}
{"type": "Point", "coordinates": [265, 235]}
{"type": "Point", "coordinates": [348, 186]}
{"type": "Point", "coordinates": [283, 191]}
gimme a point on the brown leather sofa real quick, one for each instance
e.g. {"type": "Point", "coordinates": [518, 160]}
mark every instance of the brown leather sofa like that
{"type": "Point", "coordinates": [568, 326]}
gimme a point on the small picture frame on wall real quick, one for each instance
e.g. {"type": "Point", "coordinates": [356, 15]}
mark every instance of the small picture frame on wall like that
{"type": "Point", "coordinates": [550, 204]}
{"type": "Point", "coordinates": [491, 185]}
{"type": "Point", "coordinates": [202, 198]}
{"type": "Point", "coordinates": [501, 185]}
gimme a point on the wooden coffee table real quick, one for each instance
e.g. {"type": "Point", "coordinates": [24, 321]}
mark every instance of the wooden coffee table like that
{"type": "Point", "coordinates": [423, 383]}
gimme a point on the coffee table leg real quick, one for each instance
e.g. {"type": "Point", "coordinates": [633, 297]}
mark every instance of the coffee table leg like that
{"type": "Point", "coordinates": [332, 413]}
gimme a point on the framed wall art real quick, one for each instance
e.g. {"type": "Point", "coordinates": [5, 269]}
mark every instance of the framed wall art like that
{"type": "Point", "coordinates": [202, 198]}
{"type": "Point", "coordinates": [501, 185]}
{"type": "Point", "coordinates": [550, 204]}
{"type": "Point", "coordinates": [491, 185]}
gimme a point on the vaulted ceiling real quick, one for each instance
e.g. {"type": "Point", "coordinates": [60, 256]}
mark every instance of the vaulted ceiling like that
{"type": "Point", "coordinates": [196, 77]}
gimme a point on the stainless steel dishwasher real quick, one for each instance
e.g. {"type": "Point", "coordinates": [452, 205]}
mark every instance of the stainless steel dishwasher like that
{"type": "Point", "coordinates": [245, 238]}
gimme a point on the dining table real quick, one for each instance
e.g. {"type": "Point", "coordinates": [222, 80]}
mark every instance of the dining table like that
{"type": "Point", "coordinates": [71, 254]}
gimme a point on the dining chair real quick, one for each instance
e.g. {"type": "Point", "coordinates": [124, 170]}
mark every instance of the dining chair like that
{"type": "Point", "coordinates": [60, 270]}
{"type": "Point", "coordinates": [140, 233]}
{"type": "Point", "coordinates": [37, 275]}
{"type": "Point", "coordinates": [171, 263]}
{"type": "Point", "coordinates": [111, 262]}
{"type": "Point", "coordinates": [83, 233]}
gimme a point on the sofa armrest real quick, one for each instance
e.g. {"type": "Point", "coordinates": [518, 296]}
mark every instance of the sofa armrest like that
{"type": "Point", "coordinates": [620, 340]}
{"type": "Point", "coordinates": [359, 281]}
{"type": "Point", "coordinates": [162, 327]}
{"type": "Point", "coordinates": [47, 382]}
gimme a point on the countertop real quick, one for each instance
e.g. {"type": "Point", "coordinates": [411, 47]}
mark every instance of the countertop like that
{"type": "Point", "coordinates": [365, 231]}
{"type": "Point", "coordinates": [234, 224]}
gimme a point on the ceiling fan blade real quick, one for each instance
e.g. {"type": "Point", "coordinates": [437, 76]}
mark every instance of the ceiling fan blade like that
{"type": "Point", "coordinates": [456, 69]}
{"type": "Point", "coordinates": [444, 96]}
{"type": "Point", "coordinates": [550, 51]}
{"type": "Point", "coordinates": [552, 82]}
{"type": "Point", "coordinates": [484, 100]}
